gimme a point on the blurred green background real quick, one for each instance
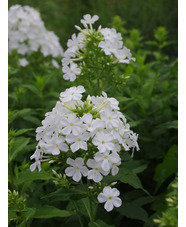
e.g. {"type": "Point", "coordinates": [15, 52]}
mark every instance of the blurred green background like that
{"type": "Point", "coordinates": [145, 15]}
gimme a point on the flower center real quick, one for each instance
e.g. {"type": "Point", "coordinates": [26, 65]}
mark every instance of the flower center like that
{"type": "Point", "coordinates": [71, 71]}
{"type": "Point", "coordinates": [102, 142]}
{"type": "Point", "coordinates": [56, 145]}
{"type": "Point", "coordinates": [110, 197]}
{"type": "Point", "coordinates": [77, 167]}
{"type": "Point", "coordinates": [79, 139]}
{"type": "Point", "coordinates": [110, 118]}
{"type": "Point", "coordinates": [96, 169]}
{"type": "Point", "coordinates": [106, 157]}
{"type": "Point", "coordinates": [71, 124]}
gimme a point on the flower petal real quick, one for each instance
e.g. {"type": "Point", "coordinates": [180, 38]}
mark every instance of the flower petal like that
{"type": "Point", "coordinates": [69, 171]}
{"type": "Point", "coordinates": [116, 201]}
{"type": "Point", "coordinates": [108, 206]}
{"type": "Point", "coordinates": [102, 198]}
{"type": "Point", "coordinates": [77, 176]}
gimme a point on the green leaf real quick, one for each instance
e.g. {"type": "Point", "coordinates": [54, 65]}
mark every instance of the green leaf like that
{"type": "Point", "coordinates": [133, 211]}
{"type": "Point", "coordinates": [170, 124]}
{"type": "Point", "coordinates": [126, 176]}
{"type": "Point", "coordinates": [32, 119]}
{"type": "Point", "coordinates": [19, 132]}
{"type": "Point", "coordinates": [33, 89]}
{"type": "Point", "coordinates": [27, 176]}
{"type": "Point", "coordinates": [64, 194]}
{"type": "Point", "coordinates": [18, 147]}
{"type": "Point", "coordinates": [99, 223]}
{"type": "Point", "coordinates": [137, 166]}
{"type": "Point", "coordinates": [168, 167]}
{"type": "Point", "coordinates": [51, 211]}
{"type": "Point", "coordinates": [12, 115]}
{"type": "Point", "coordinates": [132, 205]}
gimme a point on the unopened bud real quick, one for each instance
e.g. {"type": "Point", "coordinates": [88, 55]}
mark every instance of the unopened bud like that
{"type": "Point", "coordinates": [114, 183]}
{"type": "Point", "coordinates": [54, 172]}
{"type": "Point", "coordinates": [78, 28]}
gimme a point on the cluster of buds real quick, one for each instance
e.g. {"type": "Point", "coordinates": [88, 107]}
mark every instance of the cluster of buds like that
{"type": "Point", "coordinates": [104, 44]}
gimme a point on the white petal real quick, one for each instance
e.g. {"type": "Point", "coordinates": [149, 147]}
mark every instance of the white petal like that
{"type": "Point", "coordinates": [102, 198]}
{"type": "Point", "coordinates": [69, 171]}
{"type": "Point", "coordinates": [77, 176]}
{"type": "Point", "coordinates": [91, 163]}
{"type": "Point", "coordinates": [97, 176]}
{"type": "Point", "coordinates": [108, 206]}
{"type": "Point", "coordinates": [115, 170]}
{"type": "Point", "coordinates": [116, 201]}
{"type": "Point", "coordinates": [79, 162]}
{"type": "Point", "coordinates": [83, 145]}
{"type": "Point", "coordinates": [33, 167]}
{"type": "Point", "coordinates": [90, 174]}
{"type": "Point", "coordinates": [70, 161]}
{"type": "Point", "coordinates": [84, 171]}
{"type": "Point", "coordinates": [74, 147]}
{"type": "Point", "coordinates": [105, 165]}
{"type": "Point", "coordinates": [115, 192]}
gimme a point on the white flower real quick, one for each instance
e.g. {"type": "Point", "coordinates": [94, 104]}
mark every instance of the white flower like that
{"type": "Point", "coordinates": [73, 93]}
{"type": "Point", "coordinates": [96, 171]}
{"type": "Point", "coordinates": [103, 141]}
{"type": "Point", "coordinates": [128, 54]}
{"type": "Point", "coordinates": [88, 19]}
{"type": "Point", "coordinates": [106, 159]}
{"type": "Point", "coordinates": [37, 156]}
{"type": "Point", "coordinates": [109, 196]}
{"type": "Point", "coordinates": [27, 33]}
{"type": "Point", "coordinates": [77, 170]}
{"type": "Point", "coordinates": [110, 118]}
{"type": "Point", "coordinates": [55, 144]}
{"type": "Point", "coordinates": [23, 62]}
{"type": "Point", "coordinates": [73, 44]}
{"type": "Point", "coordinates": [109, 34]}
{"type": "Point", "coordinates": [71, 124]}
{"type": "Point", "coordinates": [107, 47]}
{"type": "Point", "coordinates": [114, 168]}
{"type": "Point", "coordinates": [79, 141]}
{"type": "Point", "coordinates": [71, 72]}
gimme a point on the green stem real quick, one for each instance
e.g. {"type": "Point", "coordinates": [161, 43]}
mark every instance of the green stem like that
{"type": "Point", "coordinates": [79, 217]}
{"type": "Point", "coordinates": [89, 208]}
{"type": "Point", "coordinates": [90, 204]}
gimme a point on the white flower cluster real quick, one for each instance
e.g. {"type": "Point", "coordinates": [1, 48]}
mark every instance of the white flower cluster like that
{"type": "Point", "coordinates": [27, 33]}
{"type": "Point", "coordinates": [110, 42]}
{"type": "Point", "coordinates": [93, 125]}
{"type": "Point", "coordinates": [90, 133]}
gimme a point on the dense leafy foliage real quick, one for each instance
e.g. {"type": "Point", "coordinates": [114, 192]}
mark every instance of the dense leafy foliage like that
{"type": "Point", "coordinates": [148, 99]}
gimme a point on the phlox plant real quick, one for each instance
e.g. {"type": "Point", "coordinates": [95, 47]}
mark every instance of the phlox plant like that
{"type": "Point", "coordinates": [86, 137]}
{"type": "Point", "coordinates": [93, 55]}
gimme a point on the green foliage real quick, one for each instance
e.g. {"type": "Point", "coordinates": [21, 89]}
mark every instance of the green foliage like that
{"type": "Point", "coordinates": [148, 100]}
{"type": "Point", "coordinates": [169, 216]}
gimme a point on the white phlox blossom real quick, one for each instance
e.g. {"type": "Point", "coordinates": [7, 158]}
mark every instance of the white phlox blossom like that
{"type": "Point", "coordinates": [23, 62]}
{"type": "Point", "coordinates": [77, 169]}
{"type": "Point", "coordinates": [109, 41]}
{"type": "Point", "coordinates": [27, 33]}
{"type": "Point", "coordinates": [86, 137]}
{"type": "Point", "coordinates": [109, 196]}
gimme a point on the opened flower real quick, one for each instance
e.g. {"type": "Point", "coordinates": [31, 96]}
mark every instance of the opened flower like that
{"type": "Point", "coordinates": [77, 169]}
{"type": "Point", "coordinates": [109, 196]}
